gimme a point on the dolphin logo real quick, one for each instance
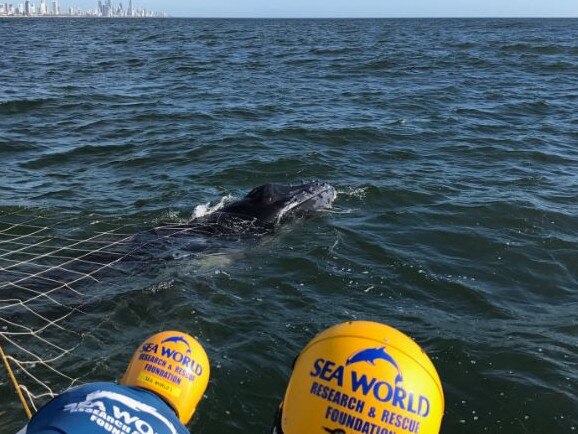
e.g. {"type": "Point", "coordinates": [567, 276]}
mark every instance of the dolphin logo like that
{"type": "Point", "coordinates": [370, 355]}
{"type": "Point", "coordinates": [334, 431]}
{"type": "Point", "coordinates": [176, 340]}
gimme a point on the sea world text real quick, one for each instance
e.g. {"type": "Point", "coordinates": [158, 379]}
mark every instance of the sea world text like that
{"type": "Point", "coordinates": [381, 390]}
{"type": "Point", "coordinates": [174, 355]}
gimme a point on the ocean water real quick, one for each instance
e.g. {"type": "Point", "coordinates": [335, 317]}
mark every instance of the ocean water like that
{"type": "Point", "coordinates": [453, 145]}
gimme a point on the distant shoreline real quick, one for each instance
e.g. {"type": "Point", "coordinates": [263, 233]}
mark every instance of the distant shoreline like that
{"type": "Point", "coordinates": [54, 17]}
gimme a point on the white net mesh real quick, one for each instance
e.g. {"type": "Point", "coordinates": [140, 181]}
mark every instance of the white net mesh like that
{"type": "Point", "coordinates": [47, 263]}
{"type": "Point", "coordinates": [59, 274]}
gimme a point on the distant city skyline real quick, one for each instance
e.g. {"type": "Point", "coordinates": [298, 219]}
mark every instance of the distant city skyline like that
{"type": "Point", "coordinates": [346, 8]}
{"type": "Point", "coordinates": [54, 8]}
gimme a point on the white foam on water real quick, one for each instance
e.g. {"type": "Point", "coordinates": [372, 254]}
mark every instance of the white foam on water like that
{"type": "Point", "coordinates": [172, 215]}
{"type": "Point", "coordinates": [206, 209]}
{"type": "Point", "coordinates": [357, 192]}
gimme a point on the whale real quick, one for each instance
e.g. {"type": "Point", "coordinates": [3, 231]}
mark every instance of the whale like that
{"type": "Point", "coordinates": [258, 213]}
{"type": "Point", "coordinates": [205, 242]}
{"type": "Point", "coordinates": [264, 208]}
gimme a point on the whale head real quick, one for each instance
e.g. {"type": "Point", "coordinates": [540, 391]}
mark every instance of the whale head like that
{"type": "Point", "coordinates": [267, 206]}
{"type": "Point", "coordinates": [276, 203]}
{"type": "Point", "coordinates": [256, 214]}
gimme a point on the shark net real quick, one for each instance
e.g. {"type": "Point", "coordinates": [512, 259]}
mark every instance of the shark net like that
{"type": "Point", "coordinates": [48, 263]}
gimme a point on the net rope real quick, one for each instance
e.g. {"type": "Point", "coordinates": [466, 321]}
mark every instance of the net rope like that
{"type": "Point", "coordinates": [46, 262]}
{"type": "Point", "coordinates": [56, 268]}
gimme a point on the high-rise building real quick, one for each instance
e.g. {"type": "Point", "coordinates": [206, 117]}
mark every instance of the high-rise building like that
{"type": "Point", "coordinates": [130, 11]}
{"type": "Point", "coordinates": [105, 9]}
{"type": "Point", "coordinates": [27, 7]}
{"type": "Point", "coordinates": [43, 8]}
{"type": "Point", "coordinates": [55, 8]}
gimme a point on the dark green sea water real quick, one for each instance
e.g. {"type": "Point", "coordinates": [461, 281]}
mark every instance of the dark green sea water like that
{"type": "Point", "coordinates": [453, 145]}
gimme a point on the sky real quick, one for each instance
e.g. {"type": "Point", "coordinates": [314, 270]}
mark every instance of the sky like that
{"type": "Point", "coordinates": [351, 8]}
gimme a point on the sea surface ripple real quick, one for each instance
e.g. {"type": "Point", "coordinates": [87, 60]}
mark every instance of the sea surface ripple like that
{"type": "Point", "coordinates": [453, 145]}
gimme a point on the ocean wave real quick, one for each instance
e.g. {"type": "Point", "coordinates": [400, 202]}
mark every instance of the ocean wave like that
{"type": "Point", "coordinates": [452, 147]}
{"type": "Point", "coordinates": [20, 106]}
{"type": "Point", "coordinates": [76, 154]}
{"type": "Point", "coordinates": [540, 49]}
